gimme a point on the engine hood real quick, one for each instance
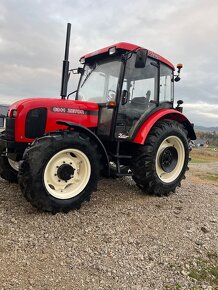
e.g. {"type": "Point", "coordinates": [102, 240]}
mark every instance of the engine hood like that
{"type": "Point", "coordinates": [34, 117]}
{"type": "Point", "coordinates": [55, 105]}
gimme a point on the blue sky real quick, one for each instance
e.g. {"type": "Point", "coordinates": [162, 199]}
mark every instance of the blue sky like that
{"type": "Point", "coordinates": [32, 38]}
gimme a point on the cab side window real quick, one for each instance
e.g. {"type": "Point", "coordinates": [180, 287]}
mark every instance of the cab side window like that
{"type": "Point", "coordinates": [166, 84]}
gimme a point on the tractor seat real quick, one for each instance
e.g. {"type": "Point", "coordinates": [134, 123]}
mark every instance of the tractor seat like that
{"type": "Point", "coordinates": [136, 107]}
{"type": "Point", "coordinates": [140, 101]}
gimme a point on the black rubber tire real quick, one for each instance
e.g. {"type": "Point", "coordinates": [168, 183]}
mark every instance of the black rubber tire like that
{"type": "Point", "coordinates": [143, 165]}
{"type": "Point", "coordinates": [6, 171]}
{"type": "Point", "coordinates": [35, 159]}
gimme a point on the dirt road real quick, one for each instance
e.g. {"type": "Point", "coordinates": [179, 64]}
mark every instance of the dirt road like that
{"type": "Point", "coordinates": [121, 239]}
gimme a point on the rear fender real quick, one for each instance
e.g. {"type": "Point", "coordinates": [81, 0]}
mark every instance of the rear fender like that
{"type": "Point", "coordinates": [159, 115]}
{"type": "Point", "coordinates": [94, 137]}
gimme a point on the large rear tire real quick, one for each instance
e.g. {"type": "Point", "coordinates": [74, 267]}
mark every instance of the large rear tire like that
{"type": "Point", "coordinates": [60, 171]}
{"type": "Point", "coordinates": [160, 164]}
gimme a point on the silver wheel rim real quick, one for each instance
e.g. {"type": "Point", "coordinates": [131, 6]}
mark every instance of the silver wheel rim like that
{"type": "Point", "coordinates": [13, 164]}
{"type": "Point", "coordinates": [170, 142]}
{"type": "Point", "coordinates": [74, 160]}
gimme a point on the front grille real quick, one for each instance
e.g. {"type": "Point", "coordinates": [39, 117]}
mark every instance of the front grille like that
{"type": "Point", "coordinates": [10, 129]}
{"type": "Point", "coordinates": [35, 123]}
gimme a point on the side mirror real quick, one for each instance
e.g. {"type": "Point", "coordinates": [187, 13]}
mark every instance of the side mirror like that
{"type": "Point", "coordinates": [177, 79]}
{"type": "Point", "coordinates": [178, 108]}
{"type": "Point", "coordinates": [124, 97]}
{"type": "Point", "coordinates": [179, 102]}
{"type": "Point", "coordinates": [141, 56]}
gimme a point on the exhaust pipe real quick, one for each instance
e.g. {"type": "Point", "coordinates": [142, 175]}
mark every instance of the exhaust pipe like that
{"type": "Point", "coordinates": [65, 69]}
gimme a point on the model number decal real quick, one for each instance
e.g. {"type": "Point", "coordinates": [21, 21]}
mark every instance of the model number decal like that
{"type": "Point", "coordinates": [154, 55]}
{"type": "Point", "coordinates": [68, 110]}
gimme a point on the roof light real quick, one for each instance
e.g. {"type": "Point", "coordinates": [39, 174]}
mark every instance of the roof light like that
{"type": "Point", "coordinates": [179, 65]}
{"type": "Point", "coordinates": [82, 60]}
{"type": "Point", "coordinates": [112, 50]}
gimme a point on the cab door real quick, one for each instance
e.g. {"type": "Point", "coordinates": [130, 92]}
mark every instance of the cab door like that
{"type": "Point", "coordinates": [139, 96]}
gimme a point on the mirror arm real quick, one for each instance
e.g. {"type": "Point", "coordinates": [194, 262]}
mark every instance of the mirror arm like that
{"type": "Point", "coordinates": [71, 94]}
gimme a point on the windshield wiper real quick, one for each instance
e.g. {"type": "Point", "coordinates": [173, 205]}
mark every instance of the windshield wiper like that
{"type": "Point", "coordinates": [88, 75]}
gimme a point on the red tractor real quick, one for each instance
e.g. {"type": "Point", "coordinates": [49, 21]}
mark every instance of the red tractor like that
{"type": "Point", "coordinates": [121, 123]}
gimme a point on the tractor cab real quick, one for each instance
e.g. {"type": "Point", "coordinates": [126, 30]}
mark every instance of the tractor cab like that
{"type": "Point", "coordinates": [129, 83]}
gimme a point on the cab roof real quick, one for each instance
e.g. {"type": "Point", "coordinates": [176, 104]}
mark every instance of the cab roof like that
{"type": "Point", "coordinates": [128, 47]}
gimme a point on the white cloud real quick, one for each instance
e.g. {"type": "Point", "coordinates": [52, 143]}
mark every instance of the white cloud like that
{"type": "Point", "coordinates": [32, 37]}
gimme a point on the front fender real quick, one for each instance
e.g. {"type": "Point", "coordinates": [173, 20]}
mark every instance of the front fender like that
{"type": "Point", "coordinates": [93, 136]}
{"type": "Point", "coordinates": [169, 114]}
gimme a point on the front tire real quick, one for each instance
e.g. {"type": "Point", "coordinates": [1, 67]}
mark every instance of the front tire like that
{"type": "Point", "coordinates": [160, 165]}
{"type": "Point", "coordinates": [8, 169]}
{"type": "Point", "coordinates": [59, 171]}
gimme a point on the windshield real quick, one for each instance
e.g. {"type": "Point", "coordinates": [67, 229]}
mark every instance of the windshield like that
{"type": "Point", "coordinates": [98, 83]}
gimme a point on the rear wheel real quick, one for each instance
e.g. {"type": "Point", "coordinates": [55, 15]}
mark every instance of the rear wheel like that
{"type": "Point", "coordinates": [160, 165]}
{"type": "Point", "coordinates": [60, 171]}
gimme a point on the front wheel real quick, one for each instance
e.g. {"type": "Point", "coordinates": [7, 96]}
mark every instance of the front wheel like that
{"type": "Point", "coordinates": [160, 165]}
{"type": "Point", "coordinates": [8, 169]}
{"type": "Point", "coordinates": [60, 171]}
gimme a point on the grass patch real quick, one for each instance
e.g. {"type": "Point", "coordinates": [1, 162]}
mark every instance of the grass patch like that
{"type": "Point", "coordinates": [206, 270]}
{"type": "Point", "coordinates": [212, 148]}
{"type": "Point", "coordinates": [176, 286]}
{"type": "Point", "coordinates": [195, 160]}
{"type": "Point", "coordinates": [203, 155]}
{"type": "Point", "coordinates": [208, 176]}
{"type": "Point", "coordinates": [212, 177]}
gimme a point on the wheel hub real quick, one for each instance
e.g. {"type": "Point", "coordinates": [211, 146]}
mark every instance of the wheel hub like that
{"type": "Point", "coordinates": [65, 172]}
{"type": "Point", "coordinates": [169, 159]}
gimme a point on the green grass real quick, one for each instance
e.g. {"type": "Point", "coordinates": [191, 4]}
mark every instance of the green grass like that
{"type": "Point", "coordinates": [212, 177]}
{"type": "Point", "coordinates": [176, 286]}
{"type": "Point", "coordinates": [206, 270]}
{"type": "Point", "coordinates": [204, 155]}
{"type": "Point", "coordinates": [208, 176]}
{"type": "Point", "coordinates": [212, 148]}
{"type": "Point", "coordinates": [195, 160]}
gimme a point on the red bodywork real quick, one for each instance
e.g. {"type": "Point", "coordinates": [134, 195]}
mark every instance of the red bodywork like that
{"type": "Point", "coordinates": [83, 113]}
{"type": "Point", "coordinates": [129, 47]}
{"type": "Point", "coordinates": [149, 123]}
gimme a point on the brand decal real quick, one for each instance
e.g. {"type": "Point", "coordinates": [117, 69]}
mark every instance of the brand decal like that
{"type": "Point", "coordinates": [154, 55]}
{"type": "Point", "coordinates": [72, 111]}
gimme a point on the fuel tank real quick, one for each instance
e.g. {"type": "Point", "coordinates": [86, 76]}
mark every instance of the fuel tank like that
{"type": "Point", "coordinates": [31, 118]}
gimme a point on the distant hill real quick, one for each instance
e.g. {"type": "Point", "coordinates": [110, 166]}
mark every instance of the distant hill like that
{"type": "Point", "coordinates": [206, 129]}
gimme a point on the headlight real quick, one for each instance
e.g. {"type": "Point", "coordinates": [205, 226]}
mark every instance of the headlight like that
{"type": "Point", "coordinates": [13, 113]}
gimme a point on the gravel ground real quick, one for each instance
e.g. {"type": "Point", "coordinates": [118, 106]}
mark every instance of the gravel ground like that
{"type": "Point", "coordinates": [121, 239]}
